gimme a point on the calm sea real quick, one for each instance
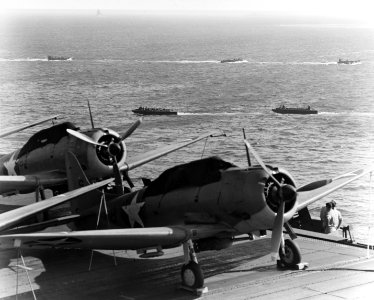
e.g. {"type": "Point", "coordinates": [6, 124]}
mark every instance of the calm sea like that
{"type": "Point", "coordinates": [121, 62]}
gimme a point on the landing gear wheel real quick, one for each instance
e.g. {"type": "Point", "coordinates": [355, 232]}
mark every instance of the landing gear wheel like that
{"type": "Point", "coordinates": [292, 254]}
{"type": "Point", "coordinates": [192, 276]}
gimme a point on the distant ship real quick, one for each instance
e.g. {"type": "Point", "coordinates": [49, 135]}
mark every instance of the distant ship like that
{"type": "Point", "coordinates": [295, 110]}
{"type": "Point", "coordinates": [231, 60]}
{"type": "Point", "coordinates": [348, 62]}
{"type": "Point", "coordinates": [50, 57]}
{"type": "Point", "coordinates": [153, 111]}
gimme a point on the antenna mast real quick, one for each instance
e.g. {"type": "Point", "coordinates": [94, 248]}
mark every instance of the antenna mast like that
{"type": "Point", "coordinates": [89, 109]}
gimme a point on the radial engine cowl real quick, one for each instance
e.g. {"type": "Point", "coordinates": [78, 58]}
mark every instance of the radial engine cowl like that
{"type": "Point", "coordinates": [115, 147]}
{"type": "Point", "coordinates": [273, 193]}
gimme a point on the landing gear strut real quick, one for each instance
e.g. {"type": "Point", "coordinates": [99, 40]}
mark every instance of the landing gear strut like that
{"type": "Point", "coordinates": [192, 275]}
{"type": "Point", "coordinates": [40, 195]}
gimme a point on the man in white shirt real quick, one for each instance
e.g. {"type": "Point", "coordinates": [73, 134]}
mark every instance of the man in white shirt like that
{"type": "Point", "coordinates": [337, 216]}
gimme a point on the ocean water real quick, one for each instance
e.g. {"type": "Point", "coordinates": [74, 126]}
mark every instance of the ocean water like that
{"type": "Point", "coordinates": [121, 62]}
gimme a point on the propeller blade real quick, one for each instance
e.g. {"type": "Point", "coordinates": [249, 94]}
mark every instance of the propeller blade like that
{"type": "Point", "coordinates": [259, 160]}
{"type": "Point", "coordinates": [246, 149]}
{"type": "Point", "coordinates": [83, 137]}
{"type": "Point", "coordinates": [128, 179]}
{"type": "Point", "coordinates": [285, 192]}
{"type": "Point", "coordinates": [131, 129]}
{"type": "Point", "coordinates": [277, 235]}
{"type": "Point", "coordinates": [117, 177]}
{"type": "Point", "coordinates": [314, 185]}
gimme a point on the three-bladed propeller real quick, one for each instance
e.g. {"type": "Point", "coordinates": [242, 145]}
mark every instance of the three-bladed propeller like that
{"type": "Point", "coordinates": [89, 140]}
{"type": "Point", "coordinates": [285, 193]}
{"type": "Point", "coordinates": [113, 149]}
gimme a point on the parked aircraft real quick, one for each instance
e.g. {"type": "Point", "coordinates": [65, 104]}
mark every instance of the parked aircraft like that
{"type": "Point", "coordinates": [202, 205]}
{"type": "Point", "coordinates": [40, 163]}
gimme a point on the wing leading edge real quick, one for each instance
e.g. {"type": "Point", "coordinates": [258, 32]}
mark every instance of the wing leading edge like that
{"type": "Point", "coordinates": [12, 217]}
{"type": "Point", "coordinates": [128, 238]}
{"type": "Point", "coordinates": [312, 192]}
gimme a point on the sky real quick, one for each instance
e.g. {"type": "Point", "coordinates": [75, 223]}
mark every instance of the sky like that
{"type": "Point", "coordinates": [355, 9]}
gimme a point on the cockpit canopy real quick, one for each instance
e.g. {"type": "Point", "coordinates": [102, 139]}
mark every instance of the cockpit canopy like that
{"type": "Point", "coordinates": [46, 136]}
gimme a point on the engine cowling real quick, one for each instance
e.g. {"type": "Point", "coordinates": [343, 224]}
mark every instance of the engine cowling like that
{"type": "Point", "coordinates": [264, 198]}
{"type": "Point", "coordinates": [271, 190]}
{"type": "Point", "coordinates": [97, 161]}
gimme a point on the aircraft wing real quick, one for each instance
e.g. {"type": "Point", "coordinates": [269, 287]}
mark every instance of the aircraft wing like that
{"type": "Point", "coordinates": [20, 128]}
{"type": "Point", "coordinates": [157, 153]}
{"type": "Point", "coordinates": [28, 183]}
{"type": "Point", "coordinates": [128, 238]}
{"type": "Point", "coordinates": [12, 217]}
{"type": "Point", "coordinates": [314, 191]}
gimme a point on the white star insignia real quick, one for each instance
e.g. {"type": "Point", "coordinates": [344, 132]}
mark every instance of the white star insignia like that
{"type": "Point", "coordinates": [133, 210]}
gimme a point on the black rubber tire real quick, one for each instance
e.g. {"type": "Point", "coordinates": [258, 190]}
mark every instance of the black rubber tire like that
{"type": "Point", "coordinates": [292, 255]}
{"type": "Point", "coordinates": [192, 275]}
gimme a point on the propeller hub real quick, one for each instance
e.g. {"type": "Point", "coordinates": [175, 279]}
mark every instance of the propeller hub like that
{"type": "Point", "coordinates": [114, 149]}
{"type": "Point", "coordinates": [289, 193]}
{"type": "Point", "coordinates": [274, 194]}
{"type": "Point", "coordinates": [286, 192]}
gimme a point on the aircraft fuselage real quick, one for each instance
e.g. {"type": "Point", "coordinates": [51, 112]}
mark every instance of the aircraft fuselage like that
{"type": "Point", "coordinates": [242, 199]}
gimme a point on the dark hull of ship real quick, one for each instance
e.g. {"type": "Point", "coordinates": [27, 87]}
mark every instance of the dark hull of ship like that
{"type": "Point", "coordinates": [348, 62]}
{"type": "Point", "coordinates": [154, 112]}
{"type": "Point", "coordinates": [296, 111]}
{"type": "Point", "coordinates": [231, 60]}
{"type": "Point", "coordinates": [58, 58]}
